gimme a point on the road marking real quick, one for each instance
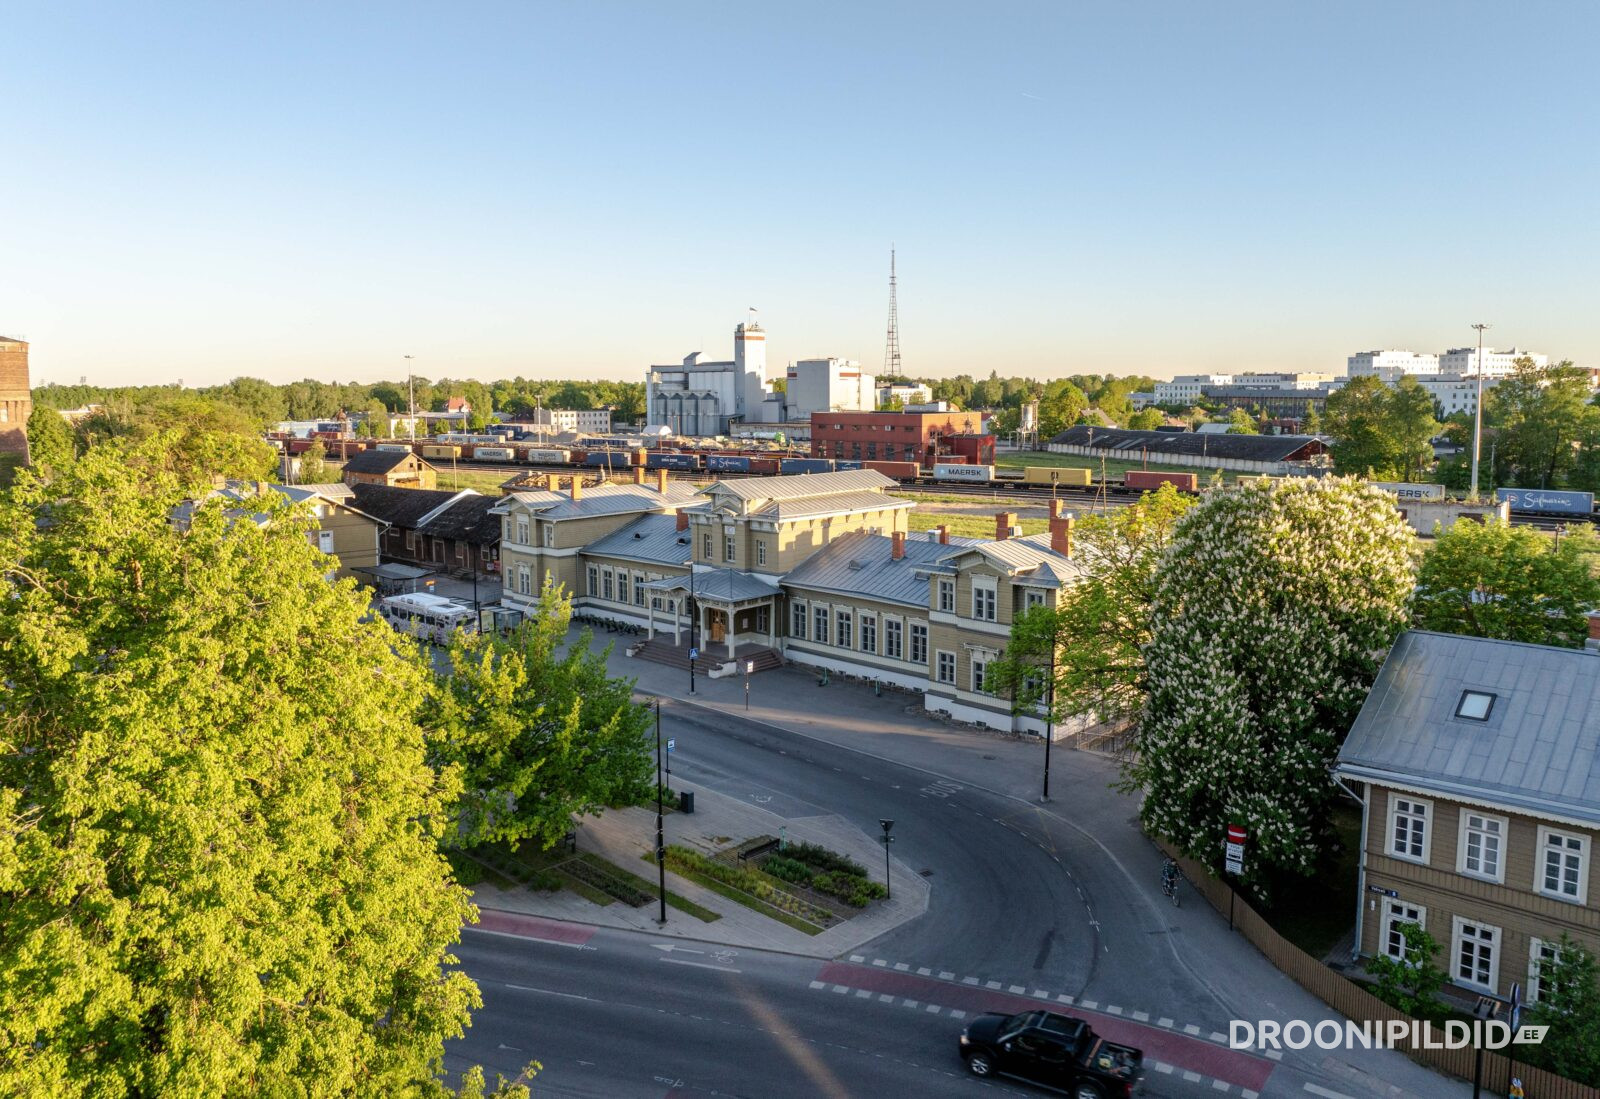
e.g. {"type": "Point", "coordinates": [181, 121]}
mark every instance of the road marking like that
{"type": "Point", "coordinates": [1017, 989]}
{"type": "Point", "coordinates": [1162, 1066]}
{"type": "Point", "coordinates": [1040, 994]}
{"type": "Point", "coordinates": [1113, 1009]}
{"type": "Point", "coordinates": [863, 994]}
{"type": "Point", "coordinates": [901, 966]}
{"type": "Point", "coordinates": [957, 1014]}
{"type": "Point", "coordinates": [924, 971]}
{"type": "Point", "coordinates": [1064, 998]}
{"type": "Point", "coordinates": [1088, 1005]}
{"type": "Point", "coordinates": [885, 998]}
{"type": "Point", "coordinates": [1192, 1077]}
{"type": "Point", "coordinates": [517, 1049]}
{"type": "Point", "coordinates": [879, 961]}
{"type": "Point", "coordinates": [1325, 1093]}
{"type": "Point", "coordinates": [969, 980]}
{"type": "Point", "coordinates": [699, 965]}
{"type": "Point", "coordinates": [819, 984]}
{"type": "Point", "coordinates": [1190, 1028]}
{"type": "Point", "coordinates": [1218, 1037]}
{"type": "Point", "coordinates": [933, 1009]}
{"type": "Point", "coordinates": [1164, 1021]}
{"type": "Point", "coordinates": [946, 975]}
{"type": "Point", "coordinates": [673, 947]}
{"type": "Point", "coordinates": [1220, 1085]}
{"type": "Point", "coordinates": [1248, 1094]}
{"type": "Point", "coordinates": [589, 1064]}
{"type": "Point", "coordinates": [1275, 1054]}
{"type": "Point", "coordinates": [553, 992]}
{"type": "Point", "coordinates": [1141, 1016]}
{"type": "Point", "coordinates": [912, 1003]}
{"type": "Point", "coordinates": [840, 989]}
{"type": "Point", "coordinates": [526, 938]}
{"type": "Point", "coordinates": [857, 958]}
{"type": "Point", "coordinates": [991, 984]}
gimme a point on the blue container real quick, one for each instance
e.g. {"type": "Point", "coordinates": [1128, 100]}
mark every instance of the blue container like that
{"type": "Point", "coordinates": [806, 465]}
{"type": "Point", "coordinates": [608, 459]}
{"type": "Point", "coordinates": [839, 463]}
{"type": "Point", "coordinates": [727, 463]}
{"type": "Point", "coordinates": [671, 461]}
{"type": "Point", "coordinates": [1547, 501]}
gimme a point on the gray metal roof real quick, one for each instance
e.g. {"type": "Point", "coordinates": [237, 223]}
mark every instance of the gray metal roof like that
{"type": "Point", "coordinates": [1538, 752]}
{"type": "Point", "coordinates": [1031, 558]}
{"type": "Point", "coordinates": [604, 500]}
{"type": "Point", "coordinates": [862, 564]}
{"type": "Point", "coordinates": [720, 585]}
{"type": "Point", "coordinates": [831, 504]}
{"type": "Point", "coordinates": [795, 486]}
{"type": "Point", "coordinates": [655, 539]}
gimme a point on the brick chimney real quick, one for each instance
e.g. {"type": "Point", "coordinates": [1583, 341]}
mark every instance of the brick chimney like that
{"type": "Point", "coordinates": [944, 535]}
{"type": "Point", "coordinates": [1003, 522]}
{"type": "Point", "coordinates": [1594, 625]}
{"type": "Point", "coordinates": [638, 475]}
{"type": "Point", "coordinates": [897, 545]}
{"type": "Point", "coordinates": [577, 488]}
{"type": "Point", "coordinates": [661, 481]}
{"type": "Point", "coordinates": [683, 520]}
{"type": "Point", "coordinates": [552, 482]}
{"type": "Point", "coordinates": [1055, 509]}
{"type": "Point", "coordinates": [1061, 535]}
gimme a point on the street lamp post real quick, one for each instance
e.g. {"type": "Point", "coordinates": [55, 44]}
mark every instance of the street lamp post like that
{"type": "Point", "coordinates": [1049, 721]}
{"type": "Point", "coordinates": [661, 836]}
{"type": "Point", "coordinates": [694, 618]}
{"type": "Point", "coordinates": [750, 665]}
{"type": "Point", "coordinates": [1477, 414]}
{"type": "Point", "coordinates": [886, 824]}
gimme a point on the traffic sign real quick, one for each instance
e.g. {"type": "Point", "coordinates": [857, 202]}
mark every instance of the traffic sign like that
{"type": "Point", "coordinates": [1233, 850]}
{"type": "Point", "coordinates": [671, 744]}
{"type": "Point", "coordinates": [694, 654]}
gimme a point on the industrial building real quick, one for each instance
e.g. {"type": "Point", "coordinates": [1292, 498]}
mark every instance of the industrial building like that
{"type": "Point", "coordinates": [922, 437]}
{"type": "Point", "coordinates": [16, 397]}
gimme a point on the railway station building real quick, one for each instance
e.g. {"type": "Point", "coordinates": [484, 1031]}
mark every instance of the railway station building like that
{"type": "Point", "coordinates": [817, 569]}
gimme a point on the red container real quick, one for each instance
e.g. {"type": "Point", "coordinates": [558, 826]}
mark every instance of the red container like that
{"type": "Point", "coordinates": [900, 471]}
{"type": "Point", "coordinates": [766, 467]}
{"type": "Point", "coordinates": [1149, 478]}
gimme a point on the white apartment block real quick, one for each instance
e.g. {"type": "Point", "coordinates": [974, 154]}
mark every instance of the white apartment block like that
{"type": "Point", "coordinates": [1391, 366]}
{"type": "Point", "coordinates": [1186, 388]}
{"type": "Point", "coordinates": [1453, 393]}
{"type": "Point", "coordinates": [908, 393]}
{"type": "Point", "coordinates": [1496, 364]}
{"type": "Point", "coordinates": [575, 420]}
{"type": "Point", "coordinates": [828, 385]}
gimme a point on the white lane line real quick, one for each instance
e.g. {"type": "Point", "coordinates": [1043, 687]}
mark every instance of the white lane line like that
{"type": "Point", "coordinates": [924, 971]}
{"type": "Point", "coordinates": [863, 994]}
{"type": "Point", "coordinates": [1113, 1009]}
{"type": "Point", "coordinates": [1192, 1077]}
{"type": "Point", "coordinates": [700, 965]}
{"type": "Point", "coordinates": [819, 984]}
{"type": "Point", "coordinates": [1326, 1093]}
{"type": "Point", "coordinates": [1276, 1055]}
{"type": "Point", "coordinates": [901, 966]}
{"type": "Point", "coordinates": [526, 938]}
{"type": "Point", "coordinates": [879, 962]}
{"type": "Point", "coordinates": [1162, 1066]}
{"type": "Point", "coordinates": [1018, 989]}
{"type": "Point", "coordinates": [1088, 1005]}
{"type": "Point", "coordinates": [1248, 1094]}
{"type": "Point", "coordinates": [1220, 1085]}
{"type": "Point", "coordinates": [991, 984]}
{"type": "Point", "coordinates": [1191, 1029]}
{"type": "Point", "coordinates": [912, 1003]}
{"type": "Point", "coordinates": [946, 975]}
{"type": "Point", "coordinates": [840, 989]}
{"type": "Point", "coordinates": [1040, 994]}
{"type": "Point", "coordinates": [957, 1013]}
{"type": "Point", "coordinates": [857, 958]}
{"type": "Point", "coordinates": [1164, 1021]}
{"type": "Point", "coordinates": [933, 1009]}
{"type": "Point", "coordinates": [553, 992]}
{"type": "Point", "coordinates": [885, 998]}
{"type": "Point", "coordinates": [1063, 999]}
{"type": "Point", "coordinates": [969, 980]}
{"type": "Point", "coordinates": [1141, 1016]}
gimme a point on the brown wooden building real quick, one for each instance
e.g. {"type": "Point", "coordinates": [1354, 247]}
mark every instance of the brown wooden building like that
{"type": "Point", "coordinates": [394, 468]}
{"type": "Point", "coordinates": [451, 532]}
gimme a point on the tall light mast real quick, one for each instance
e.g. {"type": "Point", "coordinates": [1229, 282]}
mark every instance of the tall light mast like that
{"type": "Point", "coordinates": [891, 349]}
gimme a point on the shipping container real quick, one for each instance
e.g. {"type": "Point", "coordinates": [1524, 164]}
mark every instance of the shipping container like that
{"type": "Point", "coordinates": [402, 448]}
{"type": "Point", "coordinates": [840, 463]}
{"type": "Point", "coordinates": [660, 460]}
{"type": "Point", "coordinates": [608, 459]}
{"type": "Point", "coordinates": [727, 463]}
{"type": "Point", "coordinates": [946, 471]}
{"type": "Point", "coordinates": [1150, 478]}
{"type": "Point", "coordinates": [1408, 491]}
{"type": "Point", "coordinates": [547, 457]}
{"type": "Point", "coordinates": [493, 453]}
{"type": "Point", "coordinates": [437, 450]}
{"type": "Point", "coordinates": [900, 471]}
{"type": "Point", "coordinates": [765, 467]}
{"type": "Point", "coordinates": [1071, 476]}
{"type": "Point", "coordinates": [806, 465]}
{"type": "Point", "coordinates": [1546, 501]}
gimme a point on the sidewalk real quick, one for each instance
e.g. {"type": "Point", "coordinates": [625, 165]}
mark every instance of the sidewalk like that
{"type": "Point", "coordinates": [623, 836]}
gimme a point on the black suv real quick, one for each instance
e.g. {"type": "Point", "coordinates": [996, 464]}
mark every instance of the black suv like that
{"type": "Point", "coordinates": [1054, 1050]}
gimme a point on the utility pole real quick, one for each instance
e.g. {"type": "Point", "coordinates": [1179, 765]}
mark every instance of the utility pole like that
{"type": "Point", "coordinates": [661, 835]}
{"type": "Point", "coordinates": [411, 401]}
{"type": "Point", "coordinates": [1049, 718]}
{"type": "Point", "coordinates": [1477, 416]}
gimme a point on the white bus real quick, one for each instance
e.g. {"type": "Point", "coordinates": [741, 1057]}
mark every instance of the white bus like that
{"type": "Point", "coordinates": [430, 617]}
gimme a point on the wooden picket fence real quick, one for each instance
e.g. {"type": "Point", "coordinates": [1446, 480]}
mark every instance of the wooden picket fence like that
{"type": "Point", "coordinates": [1354, 1002]}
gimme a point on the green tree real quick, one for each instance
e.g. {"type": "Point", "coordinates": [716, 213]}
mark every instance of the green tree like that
{"type": "Point", "coordinates": [1569, 1004]}
{"type": "Point", "coordinates": [1241, 422]}
{"type": "Point", "coordinates": [50, 444]}
{"type": "Point", "coordinates": [1311, 422]}
{"type": "Point", "coordinates": [1100, 625]}
{"type": "Point", "coordinates": [219, 849]}
{"type": "Point", "coordinates": [893, 404]}
{"type": "Point", "coordinates": [314, 464]}
{"type": "Point", "coordinates": [1271, 611]}
{"type": "Point", "coordinates": [1512, 583]}
{"type": "Point", "coordinates": [1381, 431]}
{"type": "Point", "coordinates": [1146, 419]}
{"type": "Point", "coordinates": [537, 733]}
{"type": "Point", "coordinates": [1542, 418]}
{"type": "Point", "coordinates": [1411, 982]}
{"type": "Point", "coordinates": [1061, 406]}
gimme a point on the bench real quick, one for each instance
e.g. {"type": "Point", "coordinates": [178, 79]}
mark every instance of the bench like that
{"type": "Point", "coordinates": [756, 848]}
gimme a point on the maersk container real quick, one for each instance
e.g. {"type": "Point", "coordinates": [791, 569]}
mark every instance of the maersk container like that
{"type": "Point", "coordinates": [394, 448]}
{"type": "Point", "coordinates": [493, 453]}
{"type": "Point", "coordinates": [1406, 490]}
{"type": "Point", "coordinates": [1546, 501]}
{"type": "Point", "coordinates": [728, 463]}
{"type": "Point", "coordinates": [546, 457]}
{"type": "Point", "coordinates": [806, 465]}
{"type": "Point", "coordinates": [946, 471]}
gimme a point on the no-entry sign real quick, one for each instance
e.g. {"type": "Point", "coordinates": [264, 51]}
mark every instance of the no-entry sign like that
{"type": "Point", "coordinates": [1233, 850]}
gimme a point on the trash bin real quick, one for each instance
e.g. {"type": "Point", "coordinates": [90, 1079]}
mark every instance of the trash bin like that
{"type": "Point", "coordinates": [686, 801]}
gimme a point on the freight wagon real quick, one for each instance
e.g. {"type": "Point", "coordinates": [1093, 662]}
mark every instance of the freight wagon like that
{"type": "Point", "coordinates": [402, 448]}
{"type": "Point", "coordinates": [659, 460]}
{"type": "Point", "coordinates": [945, 471]}
{"type": "Point", "coordinates": [493, 454]}
{"type": "Point", "coordinates": [547, 457]}
{"type": "Point", "coordinates": [1545, 501]}
{"type": "Point", "coordinates": [806, 465]}
{"type": "Point", "coordinates": [608, 459]}
{"type": "Point", "coordinates": [1149, 478]}
{"type": "Point", "coordinates": [435, 450]}
{"type": "Point", "coordinates": [1071, 477]}
{"type": "Point", "coordinates": [900, 471]}
{"type": "Point", "coordinates": [727, 463]}
{"type": "Point", "coordinates": [1407, 491]}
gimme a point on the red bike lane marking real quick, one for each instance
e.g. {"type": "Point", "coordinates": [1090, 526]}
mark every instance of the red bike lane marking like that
{"type": "Point", "coordinates": [1158, 1043]}
{"type": "Point", "coordinates": [532, 927]}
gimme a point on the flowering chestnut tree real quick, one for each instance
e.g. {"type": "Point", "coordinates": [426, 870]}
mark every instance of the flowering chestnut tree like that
{"type": "Point", "coordinates": [1273, 608]}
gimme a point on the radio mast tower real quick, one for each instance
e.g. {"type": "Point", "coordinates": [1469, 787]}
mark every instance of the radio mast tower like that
{"type": "Point", "coordinates": [891, 349]}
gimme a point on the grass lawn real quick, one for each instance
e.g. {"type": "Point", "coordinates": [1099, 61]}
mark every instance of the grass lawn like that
{"type": "Point", "coordinates": [980, 525]}
{"type": "Point", "coordinates": [1114, 467]}
{"type": "Point", "coordinates": [481, 480]}
{"type": "Point", "coordinates": [1320, 910]}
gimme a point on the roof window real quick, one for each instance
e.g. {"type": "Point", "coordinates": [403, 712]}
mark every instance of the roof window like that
{"type": "Point", "coordinates": [1475, 705]}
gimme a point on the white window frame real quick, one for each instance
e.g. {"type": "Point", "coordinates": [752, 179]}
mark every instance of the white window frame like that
{"type": "Point", "coordinates": [638, 589]}
{"type": "Point", "coordinates": [894, 639]}
{"type": "Point", "coordinates": [594, 581]}
{"type": "Point", "coordinates": [730, 545]}
{"type": "Point", "coordinates": [1536, 961]}
{"type": "Point", "coordinates": [917, 637]}
{"type": "Point", "coordinates": [819, 624]}
{"type": "Point", "coordinates": [1459, 938]}
{"type": "Point", "coordinates": [606, 582]}
{"type": "Point", "coordinates": [524, 580]}
{"type": "Point", "coordinates": [522, 531]}
{"type": "Point", "coordinates": [1546, 833]}
{"type": "Point", "coordinates": [939, 667]}
{"type": "Point", "coordinates": [797, 620]}
{"type": "Point", "coordinates": [1496, 828]}
{"type": "Point", "coordinates": [705, 544]}
{"type": "Point", "coordinates": [978, 669]}
{"type": "Point", "coordinates": [761, 551]}
{"type": "Point", "coordinates": [1391, 917]}
{"type": "Point", "coordinates": [1031, 598]}
{"type": "Point", "coordinates": [985, 601]}
{"type": "Point", "coordinates": [843, 629]}
{"type": "Point", "coordinates": [1427, 827]}
{"type": "Point", "coordinates": [623, 585]}
{"type": "Point", "coordinates": [947, 596]}
{"type": "Point", "coordinates": [549, 535]}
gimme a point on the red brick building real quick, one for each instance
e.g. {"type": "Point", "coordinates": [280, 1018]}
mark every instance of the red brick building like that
{"type": "Point", "coordinates": [16, 397]}
{"type": "Point", "coordinates": [923, 437]}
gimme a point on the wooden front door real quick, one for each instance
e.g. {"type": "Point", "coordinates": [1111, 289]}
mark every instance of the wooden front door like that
{"type": "Point", "coordinates": [719, 627]}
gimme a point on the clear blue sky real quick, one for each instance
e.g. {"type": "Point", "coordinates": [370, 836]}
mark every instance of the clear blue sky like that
{"type": "Point", "coordinates": [580, 189]}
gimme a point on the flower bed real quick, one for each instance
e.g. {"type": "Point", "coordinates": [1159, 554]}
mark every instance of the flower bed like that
{"type": "Point", "coordinates": [752, 883]}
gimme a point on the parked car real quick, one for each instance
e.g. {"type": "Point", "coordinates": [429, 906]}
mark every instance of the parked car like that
{"type": "Point", "coordinates": [1054, 1050]}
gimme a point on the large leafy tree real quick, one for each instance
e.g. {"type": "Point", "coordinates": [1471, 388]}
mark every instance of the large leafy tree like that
{"type": "Point", "coordinates": [1543, 420]}
{"type": "Point", "coordinates": [1100, 626]}
{"type": "Point", "coordinates": [50, 443]}
{"type": "Point", "coordinates": [1271, 612]}
{"type": "Point", "coordinates": [219, 870]}
{"type": "Point", "coordinates": [1569, 1004]}
{"type": "Point", "coordinates": [537, 729]}
{"type": "Point", "coordinates": [1381, 430]}
{"type": "Point", "coordinates": [1511, 583]}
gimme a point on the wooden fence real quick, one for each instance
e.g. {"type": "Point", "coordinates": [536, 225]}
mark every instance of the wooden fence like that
{"type": "Point", "coordinates": [1354, 1002]}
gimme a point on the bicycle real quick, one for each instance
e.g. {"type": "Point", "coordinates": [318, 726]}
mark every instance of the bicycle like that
{"type": "Point", "coordinates": [1170, 876]}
